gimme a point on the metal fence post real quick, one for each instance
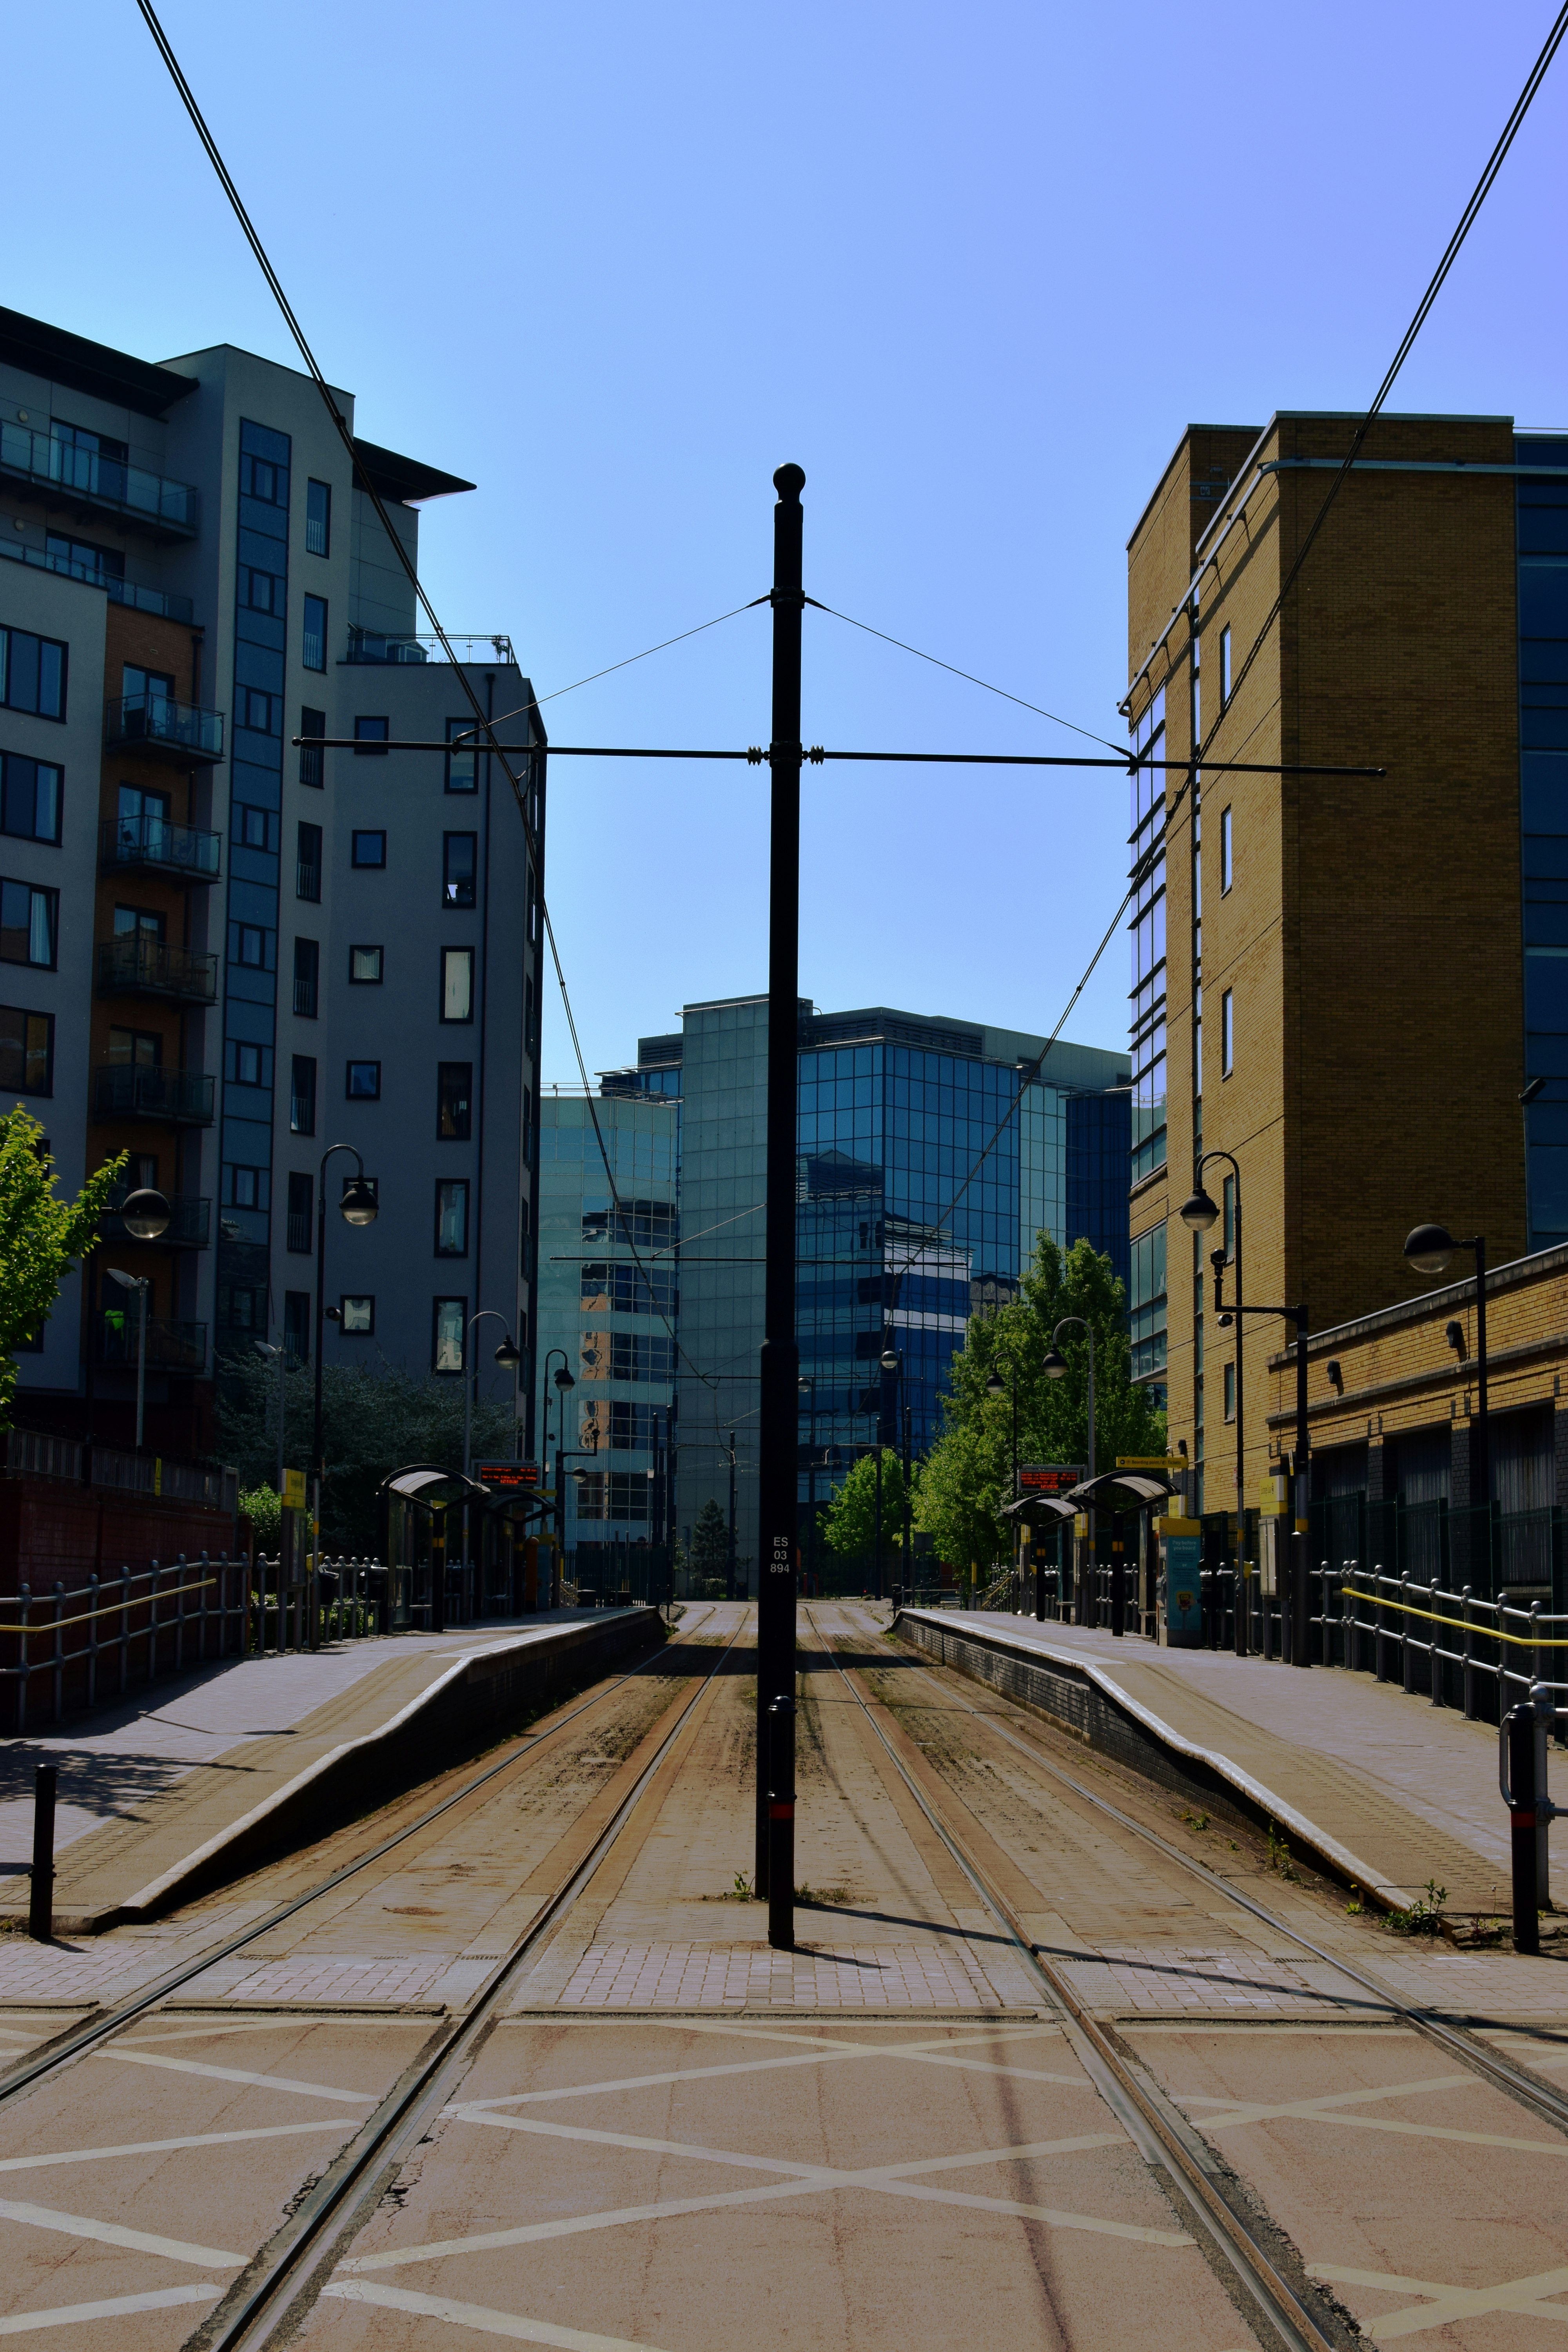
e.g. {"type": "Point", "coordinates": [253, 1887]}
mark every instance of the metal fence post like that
{"type": "Point", "coordinates": [1469, 1653]}
{"type": "Point", "coordinates": [153, 1624]}
{"type": "Point", "coordinates": [58, 1676]}
{"type": "Point", "coordinates": [124, 1629]}
{"type": "Point", "coordinates": [92, 1588]}
{"type": "Point", "coordinates": [25, 1598]}
{"type": "Point", "coordinates": [1518, 1743]}
{"type": "Point", "coordinates": [1404, 1627]}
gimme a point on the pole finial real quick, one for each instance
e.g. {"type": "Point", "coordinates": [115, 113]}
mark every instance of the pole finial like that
{"type": "Point", "coordinates": [789, 482]}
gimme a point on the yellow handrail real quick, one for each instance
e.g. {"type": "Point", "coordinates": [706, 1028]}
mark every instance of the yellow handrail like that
{"type": "Point", "coordinates": [1454, 1624]}
{"type": "Point", "coordinates": [115, 1608]}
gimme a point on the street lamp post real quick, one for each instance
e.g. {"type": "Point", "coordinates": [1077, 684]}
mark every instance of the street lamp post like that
{"type": "Point", "coordinates": [358, 1207]}
{"type": "Point", "coordinates": [1299, 1621]}
{"type": "Point", "coordinates": [806, 1387]}
{"type": "Point", "coordinates": [1429, 1249]}
{"type": "Point", "coordinates": [887, 1369]}
{"type": "Point", "coordinates": [730, 1538]}
{"type": "Point", "coordinates": [563, 1383]}
{"type": "Point", "coordinates": [145, 1217]}
{"type": "Point", "coordinates": [1199, 1214]}
{"type": "Point", "coordinates": [995, 1387]}
{"type": "Point", "coordinates": [508, 1356]}
{"type": "Point", "coordinates": [264, 1348]}
{"type": "Point", "coordinates": [1055, 1369]}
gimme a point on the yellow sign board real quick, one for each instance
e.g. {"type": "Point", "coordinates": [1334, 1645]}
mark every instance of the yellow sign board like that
{"type": "Point", "coordinates": [293, 1490]}
{"type": "Point", "coordinates": [1151, 1461]}
{"type": "Point", "coordinates": [1171, 1528]}
{"type": "Point", "coordinates": [1271, 1497]}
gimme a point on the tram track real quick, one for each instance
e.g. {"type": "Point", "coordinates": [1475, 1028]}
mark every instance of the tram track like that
{"type": "Point", "coordinates": [79, 2042]}
{"type": "Point", "coordinates": [1164, 2139]}
{"type": "Point", "coordinates": [282, 2280]}
{"type": "Point", "coordinates": [1541, 2098]}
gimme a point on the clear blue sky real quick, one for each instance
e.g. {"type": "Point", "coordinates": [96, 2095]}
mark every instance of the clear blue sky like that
{"type": "Point", "coordinates": [974, 268]}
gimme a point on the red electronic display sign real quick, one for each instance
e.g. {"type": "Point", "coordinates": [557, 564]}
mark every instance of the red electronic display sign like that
{"type": "Point", "coordinates": [507, 1477]}
{"type": "Point", "coordinates": [1049, 1477]}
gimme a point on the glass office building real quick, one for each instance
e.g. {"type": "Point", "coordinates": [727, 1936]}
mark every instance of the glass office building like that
{"type": "Point", "coordinates": [899, 1237]}
{"type": "Point", "coordinates": [607, 1299]}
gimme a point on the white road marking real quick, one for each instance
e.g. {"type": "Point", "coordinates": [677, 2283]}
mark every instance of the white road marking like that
{"type": "Point", "coordinates": [110, 2234]}
{"type": "Point", "coordinates": [236, 2074]}
{"type": "Point", "coordinates": [220, 2026]}
{"type": "Point", "coordinates": [1335, 2109]}
{"type": "Point", "coordinates": [1449, 2303]}
{"type": "Point", "coordinates": [484, 2321]}
{"type": "Point", "coordinates": [193, 2139]}
{"type": "Point", "coordinates": [76, 2315]}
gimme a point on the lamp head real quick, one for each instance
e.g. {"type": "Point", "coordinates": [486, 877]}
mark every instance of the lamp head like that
{"type": "Point", "coordinates": [1055, 1366]}
{"type": "Point", "coordinates": [890, 1358]}
{"type": "Point", "coordinates": [359, 1203]}
{"type": "Point", "coordinates": [1199, 1212]}
{"type": "Point", "coordinates": [509, 1355]}
{"type": "Point", "coordinates": [563, 1379]}
{"type": "Point", "coordinates": [805, 1384]}
{"type": "Point", "coordinates": [145, 1215]}
{"type": "Point", "coordinates": [1429, 1248]}
{"type": "Point", "coordinates": [333, 1314]}
{"type": "Point", "coordinates": [126, 1281]}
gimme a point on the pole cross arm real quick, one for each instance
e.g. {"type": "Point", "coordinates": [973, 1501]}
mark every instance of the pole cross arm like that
{"type": "Point", "coordinates": [756, 756]}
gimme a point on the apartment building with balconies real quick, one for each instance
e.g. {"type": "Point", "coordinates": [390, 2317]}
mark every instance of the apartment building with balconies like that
{"type": "Point", "coordinates": [223, 949]}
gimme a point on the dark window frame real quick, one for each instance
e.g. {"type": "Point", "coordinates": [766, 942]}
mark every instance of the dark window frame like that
{"type": "Point", "coordinates": [449, 1371]}
{"type": "Point", "coordinates": [365, 979]}
{"type": "Point", "coordinates": [448, 1086]}
{"type": "Point", "coordinates": [368, 864]}
{"type": "Point", "coordinates": [318, 527]}
{"type": "Point", "coordinates": [371, 746]}
{"type": "Point", "coordinates": [447, 884]}
{"type": "Point", "coordinates": [358, 1330]}
{"type": "Point", "coordinates": [454, 1020]}
{"type": "Point", "coordinates": [39, 708]}
{"type": "Point", "coordinates": [27, 1046]}
{"type": "Point", "coordinates": [52, 899]}
{"type": "Point", "coordinates": [312, 759]}
{"type": "Point", "coordinates": [297, 1099]}
{"type": "Point", "coordinates": [359, 1094]}
{"type": "Point", "coordinates": [451, 1184]}
{"type": "Point", "coordinates": [25, 760]}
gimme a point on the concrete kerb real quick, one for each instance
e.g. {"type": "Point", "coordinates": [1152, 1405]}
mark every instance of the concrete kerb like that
{"type": "Point", "coordinates": [1077, 1696]}
{"type": "Point", "coordinates": [464, 1710]}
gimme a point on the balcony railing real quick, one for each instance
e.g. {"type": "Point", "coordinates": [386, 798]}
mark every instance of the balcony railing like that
{"type": "Point", "coordinates": [155, 724]}
{"type": "Point", "coordinates": [373, 645]}
{"type": "Point", "coordinates": [189, 1227]}
{"type": "Point", "coordinates": [308, 881]}
{"type": "Point", "coordinates": [135, 965]}
{"type": "Point", "coordinates": [144, 1090]}
{"type": "Point", "coordinates": [305, 999]}
{"type": "Point", "coordinates": [171, 1347]}
{"type": "Point", "coordinates": [156, 847]}
{"type": "Point", "coordinates": [119, 590]}
{"type": "Point", "coordinates": [299, 1234]}
{"type": "Point", "coordinates": [46, 462]}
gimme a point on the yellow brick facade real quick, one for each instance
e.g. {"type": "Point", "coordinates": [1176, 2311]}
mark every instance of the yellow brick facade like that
{"type": "Point", "coordinates": [1370, 937]}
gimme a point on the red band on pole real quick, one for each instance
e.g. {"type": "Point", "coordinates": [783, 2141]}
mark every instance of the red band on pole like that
{"type": "Point", "coordinates": [1523, 1820]}
{"type": "Point", "coordinates": [786, 1813]}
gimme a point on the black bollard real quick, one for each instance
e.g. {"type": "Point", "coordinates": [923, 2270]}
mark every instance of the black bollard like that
{"type": "Point", "coordinates": [1117, 1590]}
{"type": "Point", "coordinates": [41, 1896]}
{"type": "Point", "coordinates": [780, 1824]}
{"type": "Point", "coordinates": [1522, 1794]}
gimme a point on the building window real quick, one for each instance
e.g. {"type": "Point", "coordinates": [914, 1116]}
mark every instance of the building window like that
{"type": "Point", "coordinates": [459, 865]}
{"type": "Point", "coordinates": [29, 924]}
{"type": "Point", "coordinates": [82, 559]}
{"type": "Point", "coordinates": [246, 1065]}
{"type": "Point", "coordinates": [462, 766]}
{"type": "Point", "coordinates": [364, 965]}
{"type": "Point", "coordinates": [302, 1094]}
{"type": "Point", "coordinates": [456, 984]}
{"type": "Point", "coordinates": [314, 649]}
{"type": "Point", "coordinates": [364, 1082]}
{"type": "Point", "coordinates": [254, 828]}
{"type": "Point", "coordinates": [312, 759]}
{"type": "Point", "coordinates": [641, 1356]}
{"type": "Point", "coordinates": [1224, 668]}
{"type": "Point", "coordinates": [248, 944]}
{"type": "Point", "coordinates": [260, 478]}
{"type": "Point", "coordinates": [1147, 1301]}
{"type": "Point", "coordinates": [370, 849]}
{"type": "Point", "coordinates": [27, 1052]}
{"type": "Point", "coordinates": [1230, 1392]}
{"type": "Point", "coordinates": [1224, 850]}
{"type": "Point", "coordinates": [318, 517]}
{"type": "Point", "coordinates": [262, 592]}
{"type": "Point", "coordinates": [1227, 1034]}
{"type": "Point", "coordinates": [308, 863]}
{"type": "Point", "coordinates": [307, 975]}
{"type": "Point", "coordinates": [1227, 1218]}
{"type": "Point", "coordinates": [299, 1236]}
{"type": "Point", "coordinates": [297, 1324]}
{"type": "Point", "coordinates": [454, 1101]}
{"type": "Point", "coordinates": [33, 674]}
{"type": "Point", "coordinates": [370, 739]}
{"type": "Point", "coordinates": [448, 1320]}
{"type": "Point", "coordinates": [29, 797]}
{"type": "Point", "coordinates": [356, 1315]}
{"type": "Point", "coordinates": [452, 1218]}
{"type": "Point", "coordinates": [262, 713]}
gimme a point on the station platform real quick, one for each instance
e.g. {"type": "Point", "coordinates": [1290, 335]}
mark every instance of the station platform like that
{"type": "Point", "coordinates": [1387, 1789]}
{"type": "Point", "coordinates": [154, 1797]}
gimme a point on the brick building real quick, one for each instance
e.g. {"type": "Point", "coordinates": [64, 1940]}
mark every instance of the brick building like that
{"type": "Point", "coordinates": [1344, 982]}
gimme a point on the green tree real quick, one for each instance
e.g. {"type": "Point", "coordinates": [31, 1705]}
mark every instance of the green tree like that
{"type": "Point", "coordinates": [375, 1418]}
{"type": "Point", "coordinates": [969, 1473]}
{"type": "Point", "coordinates": [41, 1237]}
{"type": "Point", "coordinates": [850, 1520]}
{"type": "Point", "coordinates": [710, 1542]}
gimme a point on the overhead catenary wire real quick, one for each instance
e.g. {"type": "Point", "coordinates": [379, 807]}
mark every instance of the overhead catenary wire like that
{"type": "Point", "coordinates": [953, 671]}
{"type": "Point", "coordinates": [340, 424]}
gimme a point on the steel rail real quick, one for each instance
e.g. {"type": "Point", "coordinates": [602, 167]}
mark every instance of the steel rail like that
{"type": "Point", "coordinates": [35, 2067]}
{"type": "Point", "coordinates": [353, 2184]}
{"type": "Point", "coordinates": [1541, 2097]}
{"type": "Point", "coordinates": [1157, 2128]}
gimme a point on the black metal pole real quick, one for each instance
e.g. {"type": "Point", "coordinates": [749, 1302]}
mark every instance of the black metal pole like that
{"type": "Point", "coordinates": [781, 1822]}
{"type": "Point", "coordinates": [1481, 1447]}
{"type": "Point", "coordinates": [730, 1540]}
{"type": "Point", "coordinates": [877, 1536]}
{"type": "Point", "coordinates": [908, 1564]}
{"type": "Point", "coordinates": [1301, 1586]}
{"type": "Point", "coordinates": [1522, 1788]}
{"type": "Point", "coordinates": [777, 1482]}
{"type": "Point", "coordinates": [41, 1895]}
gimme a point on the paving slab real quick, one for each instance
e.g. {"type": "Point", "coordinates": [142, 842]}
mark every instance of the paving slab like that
{"type": "Point", "coordinates": [148, 1796]}
{"type": "Point", "coordinates": [1389, 1789]}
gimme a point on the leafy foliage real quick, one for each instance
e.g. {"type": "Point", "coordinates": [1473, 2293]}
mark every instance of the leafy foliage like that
{"type": "Point", "coordinates": [41, 1237]}
{"type": "Point", "coordinates": [968, 1474]}
{"type": "Point", "coordinates": [373, 1420]}
{"type": "Point", "coordinates": [263, 1507]}
{"type": "Point", "coordinates": [850, 1520]}
{"type": "Point", "coordinates": [709, 1542]}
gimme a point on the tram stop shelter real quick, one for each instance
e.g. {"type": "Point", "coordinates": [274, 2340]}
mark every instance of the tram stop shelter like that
{"type": "Point", "coordinates": [457, 1549]}
{"type": "Point", "coordinates": [1110, 1501]}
